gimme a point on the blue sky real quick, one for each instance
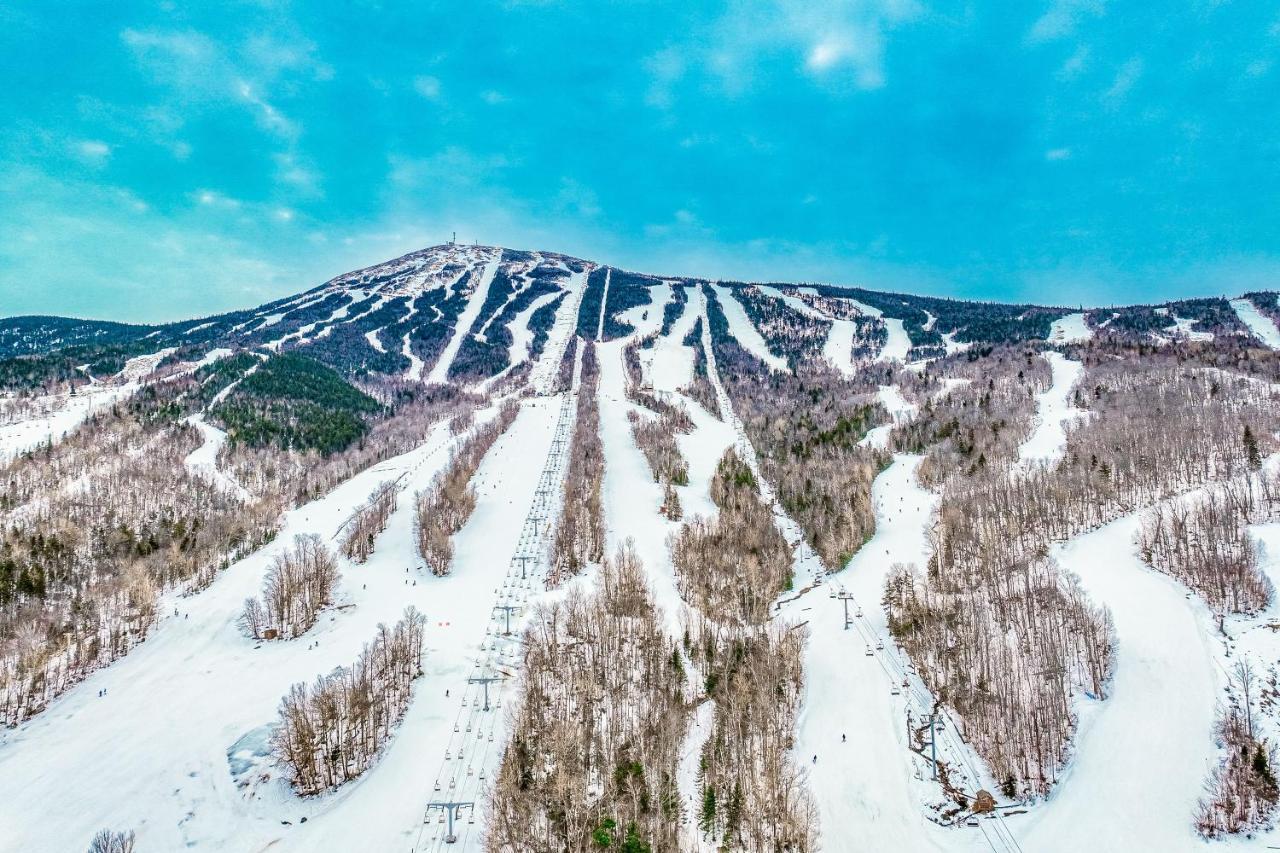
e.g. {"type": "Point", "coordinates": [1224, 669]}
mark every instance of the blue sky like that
{"type": "Point", "coordinates": [170, 160]}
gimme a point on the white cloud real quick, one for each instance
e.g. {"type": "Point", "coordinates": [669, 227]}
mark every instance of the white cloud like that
{"type": "Point", "coordinates": [1062, 17]}
{"type": "Point", "coordinates": [215, 199]}
{"type": "Point", "coordinates": [493, 97]}
{"type": "Point", "coordinates": [840, 43]}
{"type": "Point", "coordinates": [95, 152]}
{"type": "Point", "coordinates": [427, 86]}
{"type": "Point", "coordinates": [666, 68]}
{"type": "Point", "coordinates": [1126, 78]}
{"type": "Point", "coordinates": [1054, 154]}
{"type": "Point", "coordinates": [268, 116]}
{"type": "Point", "coordinates": [1075, 64]}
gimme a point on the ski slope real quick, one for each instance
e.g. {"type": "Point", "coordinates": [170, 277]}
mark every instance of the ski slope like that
{"type": "Point", "coordinates": [1143, 755]}
{"type": "Point", "coordinates": [177, 704]}
{"type": "Point", "coordinates": [867, 788]}
{"type": "Point", "coordinates": [1054, 412]}
{"type": "Point", "coordinates": [440, 370]}
{"type": "Point", "coordinates": [203, 461]}
{"type": "Point", "coordinates": [1262, 326]}
{"type": "Point", "coordinates": [745, 332]}
{"type": "Point", "coordinates": [1070, 329]}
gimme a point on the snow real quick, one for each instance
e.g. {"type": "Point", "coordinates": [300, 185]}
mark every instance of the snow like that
{"type": "Point", "coordinates": [647, 319]}
{"type": "Point", "coordinates": [604, 303]}
{"type": "Point", "coordinates": [55, 415]}
{"type": "Point", "coordinates": [1143, 754]}
{"type": "Point", "coordinates": [203, 461]}
{"type": "Point", "coordinates": [900, 410]}
{"type": "Point", "coordinates": [372, 338]}
{"type": "Point", "coordinates": [1048, 439]}
{"type": "Point", "coordinates": [794, 303]}
{"type": "Point", "coordinates": [867, 789]}
{"type": "Point", "coordinates": [629, 493]}
{"type": "Point", "coordinates": [866, 309]}
{"type": "Point", "coordinates": [898, 343]}
{"type": "Point", "coordinates": [1070, 329]}
{"type": "Point", "coordinates": [952, 345]}
{"type": "Point", "coordinates": [668, 365]}
{"type": "Point", "coordinates": [838, 348]}
{"type": "Point", "coordinates": [198, 690]}
{"type": "Point", "coordinates": [741, 328]}
{"type": "Point", "coordinates": [440, 370]}
{"type": "Point", "coordinates": [1262, 326]}
{"type": "Point", "coordinates": [58, 414]}
{"type": "Point", "coordinates": [543, 375]}
{"type": "Point", "coordinates": [1182, 326]}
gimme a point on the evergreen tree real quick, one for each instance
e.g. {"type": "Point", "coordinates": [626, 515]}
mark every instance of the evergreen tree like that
{"type": "Point", "coordinates": [1251, 449]}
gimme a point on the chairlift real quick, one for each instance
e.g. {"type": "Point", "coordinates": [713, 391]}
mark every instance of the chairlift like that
{"type": "Point", "coordinates": [879, 645]}
{"type": "Point", "coordinates": [869, 651]}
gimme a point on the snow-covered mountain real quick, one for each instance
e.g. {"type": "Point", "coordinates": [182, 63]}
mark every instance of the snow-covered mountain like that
{"type": "Point", "coordinates": [536, 553]}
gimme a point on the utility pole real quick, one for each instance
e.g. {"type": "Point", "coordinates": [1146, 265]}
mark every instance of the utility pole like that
{"type": "Point", "coordinates": [451, 809]}
{"type": "Point", "coordinates": [524, 559]}
{"type": "Point", "coordinates": [486, 680]}
{"type": "Point", "coordinates": [846, 598]}
{"type": "Point", "coordinates": [507, 609]}
{"type": "Point", "coordinates": [933, 747]}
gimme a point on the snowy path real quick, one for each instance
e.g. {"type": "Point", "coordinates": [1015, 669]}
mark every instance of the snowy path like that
{"type": "Point", "coordinates": [1070, 329]}
{"type": "Point", "coordinates": [152, 754]}
{"type": "Point", "coordinates": [519, 485]}
{"type": "Point", "coordinates": [1143, 755]}
{"type": "Point", "coordinates": [742, 329]}
{"type": "Point", "coordinates": [543, 375]}
{"type": "Point", "coordinates": [838, 348]}
{"type": "Point", "coordinates": [900, 410]}
{"type": "Point", "coordinates": [440, 370]}
{"type": "Point", "coordinates": [898, 343]}
{"type": "Point", "coordinates": [1048, 439]}
{"type": "Point", "coordinates": [203, 461]}
{"type": "Point", "coordinates": [1262, 326]}
{"type": "Point", "coordinates": [55, 415]}
{"type": "Point", "coordinates": [868, 794]}
{"type": "Point", "coordinates": [668, 364]}
{"type": "Point", "coordinates": [631, 500]}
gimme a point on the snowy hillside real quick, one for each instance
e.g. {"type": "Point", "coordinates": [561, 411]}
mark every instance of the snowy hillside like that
{"type": "Point", "coordinates": [485, 549]}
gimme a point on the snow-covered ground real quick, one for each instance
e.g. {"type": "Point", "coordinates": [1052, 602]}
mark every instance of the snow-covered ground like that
{"type": "Point", "coordinates": [1260, 324]}
{"type": "Point", "coordinates": [152, 754]}
{"type": "Point", "coordinates": [898, 344]}
{"type": "Point", "coordinates": [838, 348]}
{"type": "Point", "coordinates": [203, 461]}
{"type": "Point", "coordinates": [543, 374]}
{"type": "Point", "coordinates": [1053, 412]}
{"type": "Point", "coordinates": [668, 364]}
{"type": "Point", "coordinates": [868, 788]}
{"type": "Point", "coordinates": [900, 409]}
{"type": "Point", "coordinates": [440, 370]}
{"type": "Point", "coordinates": [1143, 754]}
{"type": "Point", "coordinates": [742, 329]}
{"type": "Point", "coordinates": [1070, 329]}
{"type": "Point", "coordinates": [54, 415]}
{"type": "Point", "coordinates": [1182, 328]}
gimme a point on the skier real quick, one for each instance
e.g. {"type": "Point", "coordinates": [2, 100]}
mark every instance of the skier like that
{"type": "Point", "coordinates": [843, 739]}
{"type": "Point", "coordinates": [815, 759]}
